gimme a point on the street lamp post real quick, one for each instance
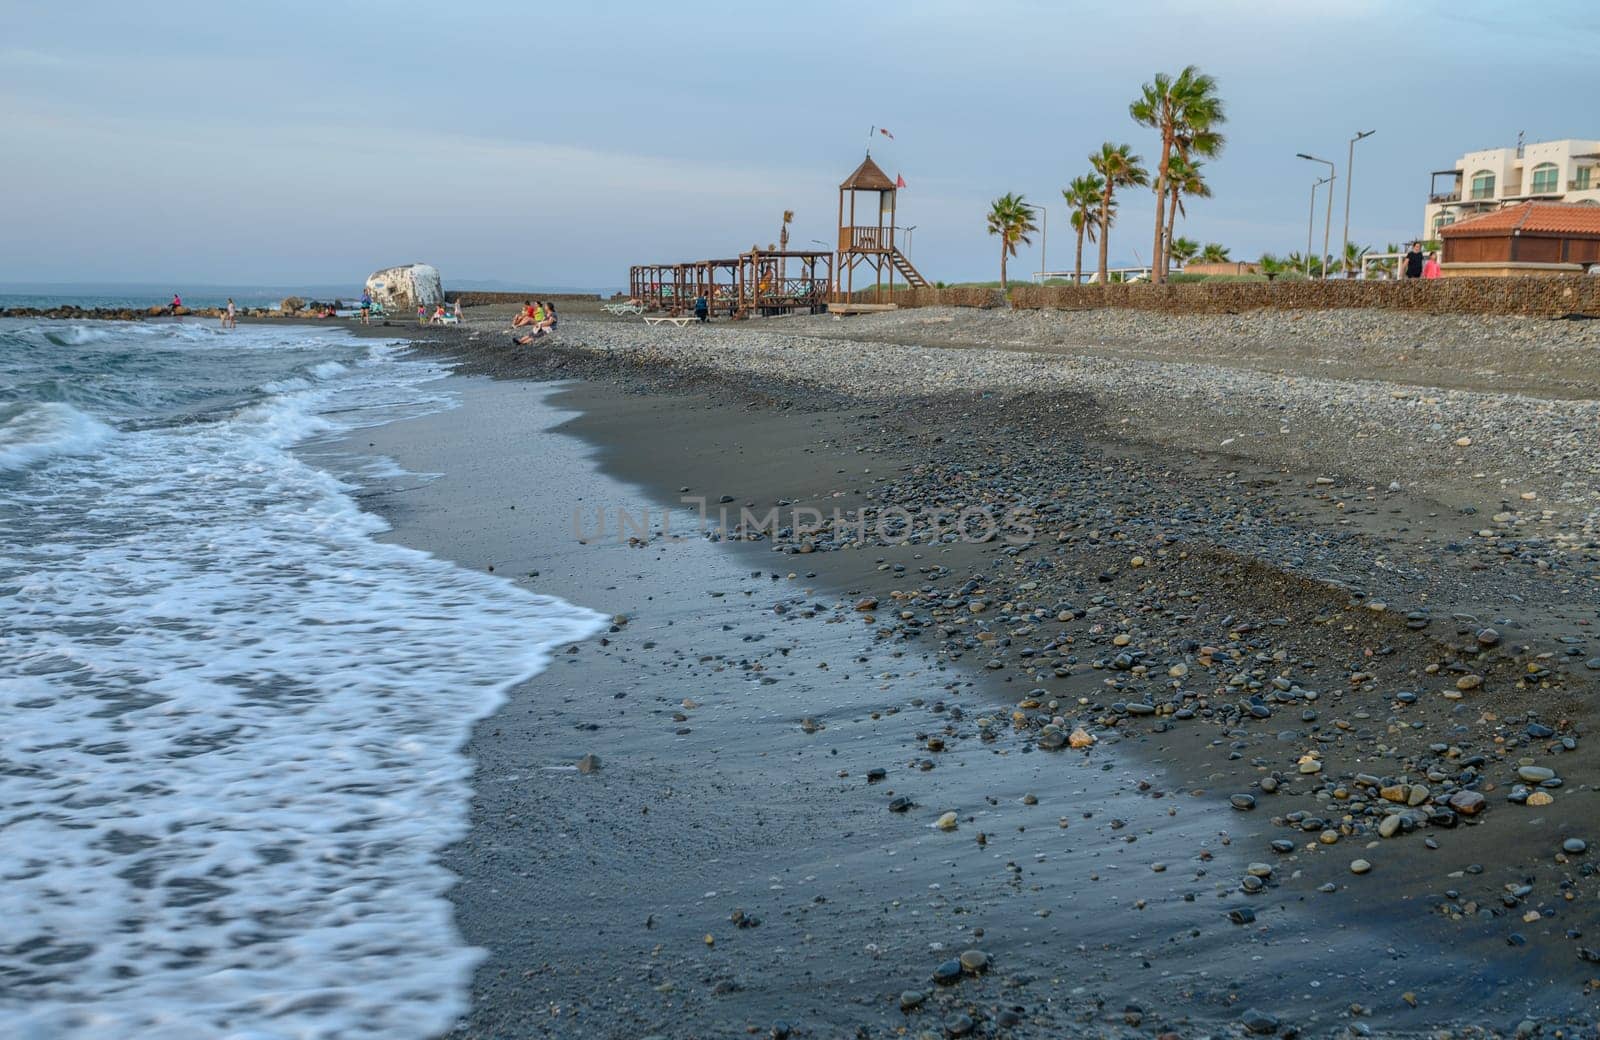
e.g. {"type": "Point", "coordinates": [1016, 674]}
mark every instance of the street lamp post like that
{"type": "Point", "coordinates": [1311, 218]}
{"type": "Point", "coordinates": [1349, 179]}
{"type": "Point", "coordinates": [1327, 221]}
{"type": "Point", "coordinates": [908, 231]}
{"type": "Point", "coordinates": [1044, 240]}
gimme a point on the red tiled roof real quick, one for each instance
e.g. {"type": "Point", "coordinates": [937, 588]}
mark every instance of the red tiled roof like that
{"type": "Point", "coordinates": [1540, 218]}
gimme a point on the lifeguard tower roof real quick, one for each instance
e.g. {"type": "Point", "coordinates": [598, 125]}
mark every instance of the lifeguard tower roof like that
{"type": "Point", "coordinates": [868, 177]}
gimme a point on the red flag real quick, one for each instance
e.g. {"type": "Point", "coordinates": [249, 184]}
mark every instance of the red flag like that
{"type": "Point", "coordinates": [885, 133]}
{"type": "Point", "coordinates": [899, 181]}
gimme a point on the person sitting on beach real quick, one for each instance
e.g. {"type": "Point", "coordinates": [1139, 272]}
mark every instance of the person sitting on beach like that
{"type": "Point", "coordinates": [549, 323]}
{"type": "Point", "coordinates": [438, 314]}
{"type": "Point", "coordinates": [175, 306]}
{"type": "Point", "coordinates": [526, 317]}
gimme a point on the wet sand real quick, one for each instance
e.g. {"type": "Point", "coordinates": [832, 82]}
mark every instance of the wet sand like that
{"type": "Point", "coordinates": [738, 711]}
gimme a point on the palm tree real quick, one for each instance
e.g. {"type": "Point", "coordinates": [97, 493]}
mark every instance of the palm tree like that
{"type": "Point", "coordinates": [1083, 195]}
{"type": "Point", "coordinates": [783, 243]}
{"type": "Point", "coordinates": [1183, 250]}
{"type": "Point", "coordinates": [1214, 253]}
{"type": "Point", "coordinates": [1351, 261]}
{"type": "Point", "coordinates": [1271, 266]}
{"type": "Point", "coordinates": [1184, 178]}
{"type": "Point", "coordinates": [1118, 167]}
{"type": "Point", "coordinates": [1011, 218]}
{"type": "Point", "coordinates": [1178, 107]}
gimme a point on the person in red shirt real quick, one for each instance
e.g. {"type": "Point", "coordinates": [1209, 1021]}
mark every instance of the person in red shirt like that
{"type": "Point", "coordinates": [1430, 267]}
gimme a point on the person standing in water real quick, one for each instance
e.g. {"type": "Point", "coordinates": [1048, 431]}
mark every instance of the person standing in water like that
{"type": "Point", "coordinates": [230, 318]}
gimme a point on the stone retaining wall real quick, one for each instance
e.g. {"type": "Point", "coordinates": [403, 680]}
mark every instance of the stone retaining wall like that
{"type": "Point", "coordinates": [1537, 297]}
{"type": "Point", "coordinates": [473, 298]}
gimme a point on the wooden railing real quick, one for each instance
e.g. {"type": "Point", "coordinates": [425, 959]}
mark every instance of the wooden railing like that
{"type": "Point", "coordinates": [872, 238]}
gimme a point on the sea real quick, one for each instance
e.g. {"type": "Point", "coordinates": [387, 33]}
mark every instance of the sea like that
{"type": "Point", "coordinates": [115, 296]}
{"type": "Point", "coordinates": [231, 717]}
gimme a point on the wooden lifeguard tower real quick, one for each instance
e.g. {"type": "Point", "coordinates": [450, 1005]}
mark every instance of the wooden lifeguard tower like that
{"type": "Point", "coordinates": [868, 245]}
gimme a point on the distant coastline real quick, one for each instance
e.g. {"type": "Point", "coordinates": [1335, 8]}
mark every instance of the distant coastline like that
{"type": "Point", "coordinates": [140, 295]}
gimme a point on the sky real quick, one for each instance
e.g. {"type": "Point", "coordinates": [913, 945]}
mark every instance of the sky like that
{"type": "Point", "coordinates": [549, 145]}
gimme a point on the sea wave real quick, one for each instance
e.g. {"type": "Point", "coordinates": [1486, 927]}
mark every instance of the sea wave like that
{"type": "Point", "coordinates": [234, 729]}
{"type": "Point", "coordinates": [33, 432]}
{"type": "Point", "coordinates": [76, 335]}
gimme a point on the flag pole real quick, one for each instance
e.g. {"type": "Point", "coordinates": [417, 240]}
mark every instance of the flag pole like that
{"type": "Point", "coordinates": [870, 131]}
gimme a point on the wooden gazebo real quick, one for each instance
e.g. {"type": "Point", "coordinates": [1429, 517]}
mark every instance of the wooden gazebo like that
{"type": "Point", "coordinates": [783, 281]}
{"type": "Point", "coordinates": [869, 245]}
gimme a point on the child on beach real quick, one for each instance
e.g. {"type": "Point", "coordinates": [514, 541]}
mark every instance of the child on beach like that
{"type": "Point", "coordinates": [422, 314]}
{"type": "Point", "coordinates": [229, 318]}
{"type": "Point", "coordinates": [524, 318]}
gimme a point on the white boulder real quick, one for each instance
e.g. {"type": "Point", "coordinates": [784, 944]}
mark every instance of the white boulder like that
{"type": "Point", "coordinates": [406, 286]}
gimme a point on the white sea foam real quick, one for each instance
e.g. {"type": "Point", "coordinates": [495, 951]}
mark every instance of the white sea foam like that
{"type": "Point", "coordinates": [233, 732]}
{"type": "Point", "coordinates": [30, 433]}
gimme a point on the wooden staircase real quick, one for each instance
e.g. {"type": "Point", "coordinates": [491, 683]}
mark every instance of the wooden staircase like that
{"type": "Point", "coordinates": [910, 274]}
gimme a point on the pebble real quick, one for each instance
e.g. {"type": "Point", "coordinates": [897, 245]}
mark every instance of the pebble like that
{"type": "Point", "coordinates": [974, 962]}
{"type": "Point", "coordinates": [947, 822]}
{"type": "Point", "coordinates": [588, 763]}
{"type": "Point", "coordinates": [1536, 774]}
{"type": "Point", "coordinates": [1359, 866]}
{"type": "Point", "coordinates": [912, 998]}
{"type": "Point", "coordinates": [1243, 802]}
{"type": "Point", "coordinates": [1575, 846]}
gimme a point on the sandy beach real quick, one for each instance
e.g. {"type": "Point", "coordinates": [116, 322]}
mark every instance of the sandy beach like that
{"type": "Point", "coordinates": [1334, 689]}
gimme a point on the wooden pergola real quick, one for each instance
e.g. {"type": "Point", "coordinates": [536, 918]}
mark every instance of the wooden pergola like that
{"type": "Point", "coordinates": [783, 281]}
{"type": "Point", "coordinates": [764, 282]}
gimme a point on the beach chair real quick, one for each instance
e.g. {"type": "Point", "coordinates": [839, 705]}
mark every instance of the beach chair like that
{"type": "Point", "coordinates": [663, 319]}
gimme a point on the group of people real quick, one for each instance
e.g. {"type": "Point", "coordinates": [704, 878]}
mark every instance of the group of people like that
{"type": "Point", "coordinates": [438, 313]}
{"type": "Point", "coordinates": [535, 320]}
{"type": "Point", "coordinates": [1420, 265]}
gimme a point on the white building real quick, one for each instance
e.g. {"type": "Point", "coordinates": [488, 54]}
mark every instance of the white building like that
{"type": "Point", "coordinates": [1551, 171]}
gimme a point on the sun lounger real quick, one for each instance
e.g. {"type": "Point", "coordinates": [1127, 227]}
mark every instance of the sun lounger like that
{"type": "Point", "coordinates": [658, 319]}
{"type": "Point", "coordinates": [619, 309]}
